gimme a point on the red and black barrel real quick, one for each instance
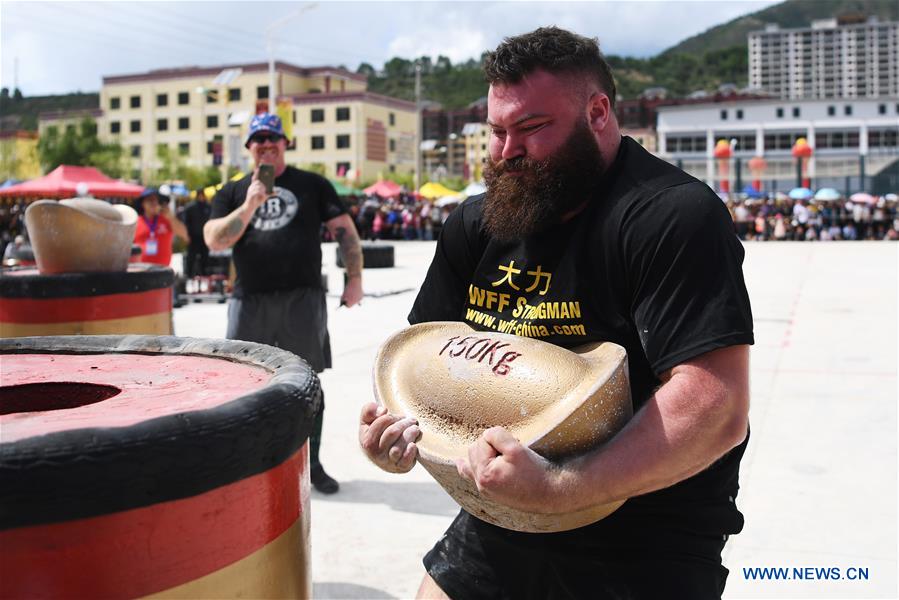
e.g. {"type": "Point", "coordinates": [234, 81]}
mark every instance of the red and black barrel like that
{"type": "Point", "coordinates": [143, 465]}
{"type": "Point", "coordinates": [136, 301]}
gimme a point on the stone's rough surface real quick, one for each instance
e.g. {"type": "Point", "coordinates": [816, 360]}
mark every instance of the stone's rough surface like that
{"type": "Point", "coordinates": [458, 382]}
{"type": "Point", "coordinates": [80, 234]}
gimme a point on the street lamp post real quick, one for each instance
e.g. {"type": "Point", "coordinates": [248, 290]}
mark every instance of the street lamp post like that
{"type": "Point", "coordinates": [270, 46]}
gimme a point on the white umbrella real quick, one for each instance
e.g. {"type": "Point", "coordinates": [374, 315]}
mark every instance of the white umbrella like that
{"type": "Point", "coordinates": [862, 198]}
{"type": "Point", "coordinates": [474, 189]}
{"type": "Point", "coordinates": [447, 201]}
{"type": "Point", "coordinates": [827, 195]}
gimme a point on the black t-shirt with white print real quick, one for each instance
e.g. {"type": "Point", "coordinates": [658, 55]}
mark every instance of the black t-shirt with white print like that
{"type": "Point", "coordinates": [652, 264]}
{"type": "Point", "coordinates": [281, 248]}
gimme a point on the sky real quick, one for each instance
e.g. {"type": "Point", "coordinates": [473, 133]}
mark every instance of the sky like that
{"type": "Point", "coordinates": [62, 47]}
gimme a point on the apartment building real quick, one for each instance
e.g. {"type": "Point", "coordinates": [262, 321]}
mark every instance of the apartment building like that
{"type": "Point", "coordinates": [201, 115]}
{"type": "Point", "coordinates": [477, 140]}
{"type": "Point", "coordinates": [846, 57]}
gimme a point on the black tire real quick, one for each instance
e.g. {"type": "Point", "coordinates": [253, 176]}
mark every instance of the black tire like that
{"type": "Point", "coordinates": [374, 256]}
{"type": "Point", "coordinates": [81, 473]}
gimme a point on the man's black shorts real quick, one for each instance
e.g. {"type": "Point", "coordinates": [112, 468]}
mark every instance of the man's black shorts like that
{"type": "Point", "coordinates": [475, 560]}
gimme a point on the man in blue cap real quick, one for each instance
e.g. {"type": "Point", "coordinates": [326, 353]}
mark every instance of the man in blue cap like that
{"type": "Point", "coordinates": [278, 296]}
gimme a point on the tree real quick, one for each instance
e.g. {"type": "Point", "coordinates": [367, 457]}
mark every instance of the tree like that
{"type": "Point", "coordinates": [17, 95]}
{"type": "Point", "coordinates": [80, 146]}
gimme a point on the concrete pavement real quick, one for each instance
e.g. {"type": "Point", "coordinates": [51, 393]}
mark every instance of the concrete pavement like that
{"type": "Point", "coordinates": [819, 477]}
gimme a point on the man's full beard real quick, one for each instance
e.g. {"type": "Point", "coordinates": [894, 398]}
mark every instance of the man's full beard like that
{"type": "Point", "coordinates": [544, 190]}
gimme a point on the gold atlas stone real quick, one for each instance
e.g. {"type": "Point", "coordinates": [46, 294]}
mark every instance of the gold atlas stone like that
{"type": "Point", "coordinates": [80, 234]}
{"type": "Point", "coordinates": [459, 382]}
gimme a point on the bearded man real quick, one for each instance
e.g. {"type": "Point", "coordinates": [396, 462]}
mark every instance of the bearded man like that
{"type": "Point", "coordinates": [574, 212]}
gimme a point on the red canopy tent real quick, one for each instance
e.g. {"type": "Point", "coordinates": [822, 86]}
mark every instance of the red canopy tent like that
{"type": "Point", "coordinates": [62, 182]}
{"type": "Point", "coordinates": [384, 189]}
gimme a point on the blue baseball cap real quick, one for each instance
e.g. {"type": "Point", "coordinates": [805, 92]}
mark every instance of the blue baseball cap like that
{"type": "Point", "coordinates": [264, 122]}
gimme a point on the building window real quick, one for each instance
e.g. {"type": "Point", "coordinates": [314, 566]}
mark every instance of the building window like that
{"type": "Point", "coordinates": [739, 113]}
{"type": "Point", "coordinates": [212, 121]}
{"type": "Point", "coordinates": [184, 148]}
{"type": "Point", "coordinates": [135, 127]}
{"type": "Point", "coordinates": [114, 127]}
{"type": "Point", "coordinates": [115, 103]}
{"type": "Point", "coordinates": [342, 169]}
{"type": "Point", "coordinates": [724, 115]}
{"type": "Point", "coordinates": [212, 96]}
{"type": "Point", "coordinates": [262, 92]}
{"type": "Point", "coordinates": [162, 150]}
{"type": "Point", "coordinates": [162, 99]}
{"type": "Point", "coordinates": [393, 145]}
{"type": "Point", "coordinates": [674, 144]}
{"type": "Point", "coordinates": [782, 141]}
{"type": "Point", "coordinates": [183, 122]}
{"type": "Point", "coordinates": [318, 142]}
{"type": "Point", "coordinates": [135, 101]}
{"type": "Point", "coordinates": [881, 109]}
{"type": "Point", "coordinates": [183, 98]}
{"type": "Point", "coordinates": [135, 151]}
{"type": "Point", "coordinates": [293, 117]}
{"type": "Point", "coordinates": [209, 147]}
{"type": "Point", "coordinates": [392, 168]}
{"type": "Point", "coordinates": [831, 111]}
{"type": "Point", "coordinates": [883, 138]}
{"type": "Point", "coordinates": [162, 124]}
{"type": "Point", "coordinates": [317, 115]}
{"type": "Point", "coordinates": [293, 144]}
{"type": "Point", "coordinates": [343, 141]}
{"type": "Point", "coordinates": [343, 113]}
{"type": "Point", "coordinates": [847, 110]}
{"type": "Point", "coordinates": [780, 113]}
{"type": "Point", "coordinates": [391, 118]}
{"type": "Point", "coordinates": [796, 112]}
{"type": "Point", "coordinates": [234, 95]}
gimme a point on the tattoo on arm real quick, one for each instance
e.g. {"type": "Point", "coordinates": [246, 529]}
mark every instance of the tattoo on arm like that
{"type": "Point", "coordinates": [351, 251]}
{"type": "Point", "coordinates": [230, 231]}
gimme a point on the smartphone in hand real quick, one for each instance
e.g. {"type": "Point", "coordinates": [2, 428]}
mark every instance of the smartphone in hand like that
{"type": "Point", "coordinates": [267, 177]}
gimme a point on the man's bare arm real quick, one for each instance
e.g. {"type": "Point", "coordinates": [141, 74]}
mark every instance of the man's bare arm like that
{"type": "Point", "coordinates": [220, 234]}
{"type": "Point", "coordinates": [344, 232]}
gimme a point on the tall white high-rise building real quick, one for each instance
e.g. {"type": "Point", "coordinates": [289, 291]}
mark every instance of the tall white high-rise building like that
{"type": "Point", "coordinates": [847, 57]}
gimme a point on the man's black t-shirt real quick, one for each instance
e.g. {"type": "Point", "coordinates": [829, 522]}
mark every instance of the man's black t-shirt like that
{"type": "Point", "coordinates": [652, 264]}
{"type": "Point", "coordinates": [281, 248]}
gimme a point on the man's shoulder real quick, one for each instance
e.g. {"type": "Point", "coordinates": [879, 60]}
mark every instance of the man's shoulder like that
{"type": "Point", "coordinates": [647, 174]}
{"type": "Point", "coordinates": [301, 177]}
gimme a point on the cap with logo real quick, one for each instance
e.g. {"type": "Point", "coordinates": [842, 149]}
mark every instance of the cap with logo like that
{"type": "Point", "coordinates": [264, 122]}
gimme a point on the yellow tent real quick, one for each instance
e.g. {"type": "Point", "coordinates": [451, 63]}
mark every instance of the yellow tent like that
{"type": "Point", "coordinates": [433, 190]}
{"type": "Point", "coordinates": [212, 189]}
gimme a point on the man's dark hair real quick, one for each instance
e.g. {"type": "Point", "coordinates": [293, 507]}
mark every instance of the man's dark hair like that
{"type": "Point", "coordinates": [554, 50]}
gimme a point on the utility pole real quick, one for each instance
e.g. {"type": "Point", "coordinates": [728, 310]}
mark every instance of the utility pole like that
{"type": "Point", "coordinates": [15, 74]}
{"type": "Point", "coordinates": [418, 127]}
{"type": "Point", "coordinates": [270, 46]}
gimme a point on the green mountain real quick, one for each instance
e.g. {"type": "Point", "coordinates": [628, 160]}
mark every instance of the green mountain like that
{"type": "Point", "coordinates": [18, 112]}
{"type": "Point", "coordinates": [793, 13]}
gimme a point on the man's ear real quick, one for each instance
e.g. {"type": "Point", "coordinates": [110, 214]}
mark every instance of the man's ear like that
{"type": "Point", "coordinates": [599, 111]}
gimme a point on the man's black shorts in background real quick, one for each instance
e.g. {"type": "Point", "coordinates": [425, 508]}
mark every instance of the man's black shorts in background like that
{"type": "Point", "coordinates": [475, 560]}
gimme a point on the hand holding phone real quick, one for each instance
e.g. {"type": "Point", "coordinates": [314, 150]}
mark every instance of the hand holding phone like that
{"type": "Point", "coordinates": [267, 177]}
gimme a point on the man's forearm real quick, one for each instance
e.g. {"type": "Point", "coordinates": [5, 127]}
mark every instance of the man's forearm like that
{"type": "Point", "coordinates": [350, 249]}
{"type": "Point", "coordinates": [691, 421]}
{"type": "Point", "coordinates": [221, 234]}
